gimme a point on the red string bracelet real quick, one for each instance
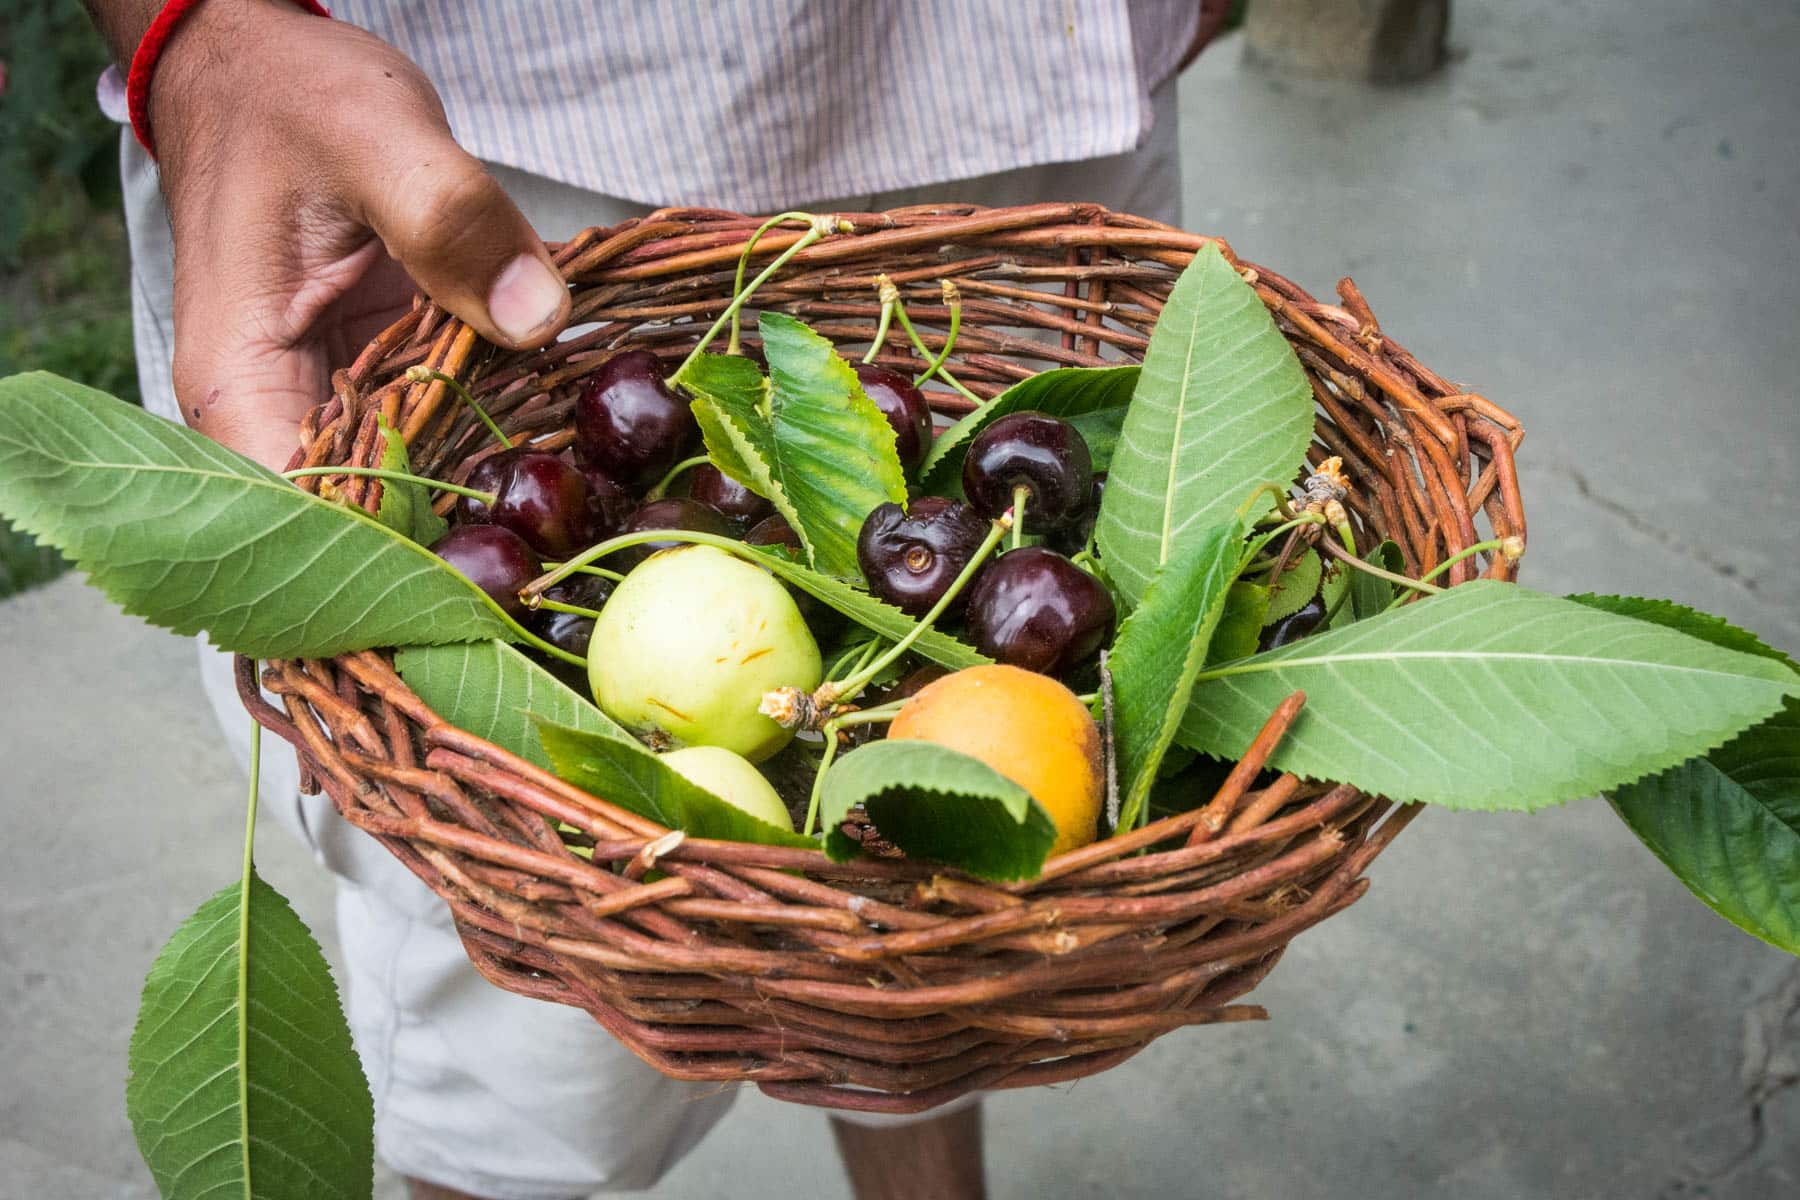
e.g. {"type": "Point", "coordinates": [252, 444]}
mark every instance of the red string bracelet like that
{"type": "Point", "coordinates": [143, 62]}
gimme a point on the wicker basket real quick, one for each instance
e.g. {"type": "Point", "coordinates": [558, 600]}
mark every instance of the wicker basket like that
{"type": "Point", "coordinates": [879, 985]}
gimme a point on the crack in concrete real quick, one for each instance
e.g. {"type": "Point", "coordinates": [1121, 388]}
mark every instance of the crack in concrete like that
{"type": "Point", "coordinates": [1657, 533]}
{"type": "Point", "coordinates": [1770, 1064]}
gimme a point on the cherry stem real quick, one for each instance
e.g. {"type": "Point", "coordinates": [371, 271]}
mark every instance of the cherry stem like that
{"type": "Point", "coordinates": [675, 472]}
{"type": "Point", "coordinates": [545, 602]}
{"type": "Point", "coordinates": [383, 473]}
{"type": "Point", "coordinates": [830, 693]}
{"type": "Point", "coordinates": [423, 374]}
{"type": "Point", "coordinates": [584, 569]}
{"type": "Point", "coordinates": [1350, 560]}
{"type": "Point", "coordinates": [859, 653]}
{"type": "Point", "coordinates": [924, 352]}
{"type": "Point", "coordinates": [1020, 494]}
{"type": "Point", "coordinates": [1494, 544]}
{"type": "Point", "coordinates": [953, 299]}
{"type": "Point", "coordinates": [867, 716]}
{"type": "Point", "coordinates": [819, 229]}
{"type": "Point", "coordinates": [890, 296]}
{"type": "Point", "coordinates": [743, 263]}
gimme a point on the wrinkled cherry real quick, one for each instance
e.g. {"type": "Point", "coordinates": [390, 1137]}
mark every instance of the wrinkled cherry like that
{"type": "Point", "coordinates": [774, 531]}
{"type": "Point", "coordinates": [608, 501]}
{"type": "Point", "coordinates": [1295, 626]}
{"type": "Point", "coordinates": [628, 422]}
{"type": "Point", "coordinates": [903, 406]}
{"type": "Point", "coordinates": [731, 499]}
{"type": "Point", "coordinates": [548, 503]}
{"type": "Point", "coordinates": [1046, 456]}
{"type": "Point", "coordinates": [911, 556]}
{"type": "Point", "coordinates": [495, 560]}
{"type": "Point", "coordinates": [672, 512]}
{"type": "Point", "coordinates": [489, 475]}
{"type": "Point", "coordinates": [1035, 609]}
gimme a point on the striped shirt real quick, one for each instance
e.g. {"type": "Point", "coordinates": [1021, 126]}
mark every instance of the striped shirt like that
{"type": "Point", "coordinates": [748, 104]}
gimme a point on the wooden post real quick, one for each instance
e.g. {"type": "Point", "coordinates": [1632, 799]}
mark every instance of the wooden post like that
{"type": "Point", "coordinates": [1379, 41]}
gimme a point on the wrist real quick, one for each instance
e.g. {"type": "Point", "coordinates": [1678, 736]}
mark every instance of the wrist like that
{"type": "Point", "coordinates": [186, 65]}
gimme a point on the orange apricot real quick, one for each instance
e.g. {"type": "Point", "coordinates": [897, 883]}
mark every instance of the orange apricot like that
{"type": "Point", "coordinates": [1026, 726]}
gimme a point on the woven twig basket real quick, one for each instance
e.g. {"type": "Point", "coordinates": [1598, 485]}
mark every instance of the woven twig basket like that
{"type": "Point", "coordinates": [880, 985]}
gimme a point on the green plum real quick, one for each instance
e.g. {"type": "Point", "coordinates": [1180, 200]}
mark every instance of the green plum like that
{"type": "Point", "coordinates": [732, 779]}
{"type": "Point", "coordinates": [688, 645]}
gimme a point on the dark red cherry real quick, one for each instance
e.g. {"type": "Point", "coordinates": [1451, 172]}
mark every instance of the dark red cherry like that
{"type": "Point", "coordinates": [672, 512]}
{"type": "Point", "coordinates": [909, 556]}
{"type": "Point", "coordinates": [628, 423]}
{"type": "Point", "coordinates": [1047, 456]}
{"type": "Point", "coordinates": [904, 407]}
{"type": "Point", "coordinates": [608, 501]}
{"type": "Point", "coordinates": [774, 531]}
{"type": "Point", "coordinates": [1073, 538]}
{"type": "Point", "coordinates": [547, 502]}
{"type": "Point", "coordinates": [495, 560]}
{"type": "Point", "coordinates": [571, 631]}
{"type": "Point", "coordinates": [488, 475]}
{"type": "Point", "coordinates": [1295, 626]}
{"type": "Point", "coordinates": [1035, 609]}
{"type": "Point", "coordinates": [732, 500]}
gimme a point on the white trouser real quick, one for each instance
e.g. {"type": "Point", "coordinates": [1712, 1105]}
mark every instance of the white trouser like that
{"type": "Point", "coordinates": [477, 1089]}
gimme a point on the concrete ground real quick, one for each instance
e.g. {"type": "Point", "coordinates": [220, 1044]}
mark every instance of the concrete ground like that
{"type": "Point", "coordinates": [1590, 218]}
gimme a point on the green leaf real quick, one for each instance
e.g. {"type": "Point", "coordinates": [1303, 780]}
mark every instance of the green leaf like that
{"type": "Point", "coordinates": [405, 507]}
{"type": "Point", "coordinates": [1727, 824]}
{"type": "Point", "coordinates": [1066, 392]}
{"type": "Point", "coordinates": [807, 439]}
{"type": "Point", "coordinates": [1159, 652]}
{"type": "Point", "coordinates": [493, 691]}
{"type": "Point", "coordinates": [940, 806]}
{"type": "Point", "coordinates": [1370, 595]}
{"type": "Point", "coordinates": [25, 564]}
{"type": "Point", "coordinates": [1240, 625]}
{"type": "Point", "coordinates": [251, 1092]}
{"type": "Point", "coordinates": [872, 614]}
{"type": "Point", "coordinates": [1299, 583]}
{"type": "Point", "coordinates": [191, 536]}
{"type": "Point", "coordinates": [1100, 430]}
{"type": "Point", "coordinates": [1489, 696]}
{"type": "Point", "coordinates": [620, 770]}
{"type": "Point", "coordinates": [1222, 407]}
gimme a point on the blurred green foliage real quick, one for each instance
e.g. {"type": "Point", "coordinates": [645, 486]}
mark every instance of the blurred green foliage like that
{"type": "Point", "coordinates": [64, 267]}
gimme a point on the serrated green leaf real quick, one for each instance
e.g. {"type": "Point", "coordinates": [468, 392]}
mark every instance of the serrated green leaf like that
{"type": "Point", "coordinates": [938, 805]}
{"type": "Point", "coordinates": [405, 507]}
{"type": "Point", "coordinates": [1489, 696]}
{"type": "Point", "coordinates": [1726, 824]}
{"type": "Point", "coordinates": [281, 1111]}
{"type": "Point", "coordinates": [1159, 653]}
{"type": "Point", "coordinates": [809, 440]}
{"type": "Point", "coordinates": [191, 536]}
{"type": "Point", "coordinates": [1240, 625]}
{"type": "Point", "coordinates": [1299, 583]}
{"type": "Point", "coordinates": [1221, 407]}
{"type": "Point", "coordinates": [622, 771]}
{"type": "Point", "coordinates": [872, 614]}
{"type": "Point", "coordinates": [1370, 595]}
{"type": "Point", "coordinates": [1066, 392]}
{"type": "Point", "coordinates": [24, 563]}
{"type": "Point", "coordinates": [493, 691]}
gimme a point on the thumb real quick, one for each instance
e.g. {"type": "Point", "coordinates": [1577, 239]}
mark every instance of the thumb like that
{"type": "Point", "coordinates": [461, 239]}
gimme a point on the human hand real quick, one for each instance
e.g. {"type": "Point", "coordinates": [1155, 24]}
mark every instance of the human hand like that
{"type": "Point", "coordinates": [312, 182]}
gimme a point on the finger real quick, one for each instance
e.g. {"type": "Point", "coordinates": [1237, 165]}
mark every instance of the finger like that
{"type": "Point", "coordinates": [253, 406]}
{"type": "Point", "coordinates": [460, 237]}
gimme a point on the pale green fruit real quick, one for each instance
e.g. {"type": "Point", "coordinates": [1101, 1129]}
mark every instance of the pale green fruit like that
{"type": "Point", "coordinates": [689, 643]}
{"type": "Point", "coordinates": [732, 779]}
